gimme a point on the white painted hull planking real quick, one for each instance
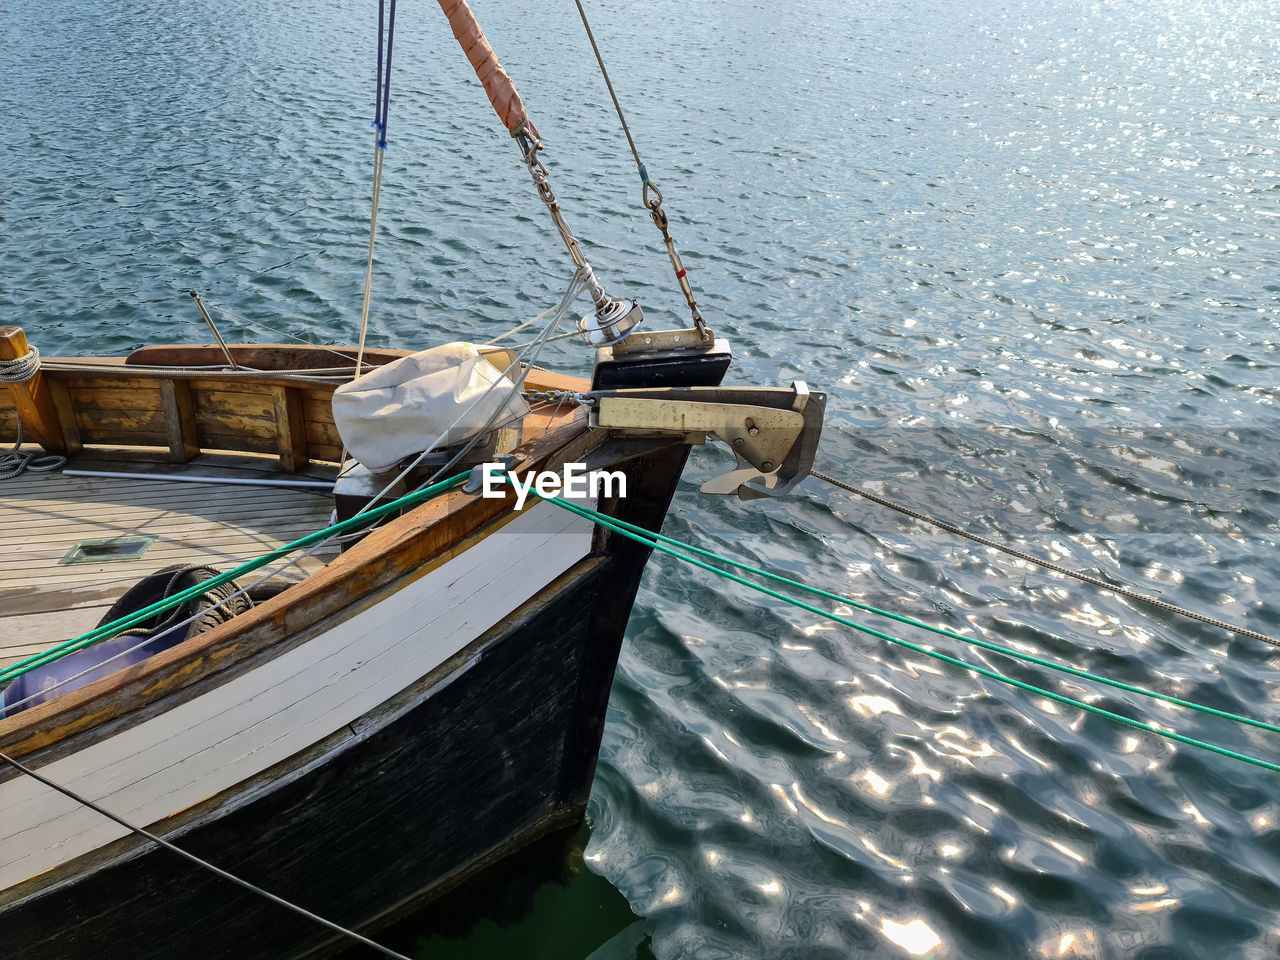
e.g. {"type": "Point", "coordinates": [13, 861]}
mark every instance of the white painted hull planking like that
{"type": "Point", "coordinates": [203, 748]}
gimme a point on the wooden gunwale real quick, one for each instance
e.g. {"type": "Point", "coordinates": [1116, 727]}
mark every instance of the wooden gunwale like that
{"type": "Point", "coordinates": [286, 356]}
{"type": "Point", "coordinates": [165, 396]}
{"type": "Point", "coordinates": [534, 684]}
{"type": "Point", "coordinates": [418, 541]}
{"type": "Point", "coordinates": [284, 771]}
{"type": "Point", "coordinates": [260, 356]}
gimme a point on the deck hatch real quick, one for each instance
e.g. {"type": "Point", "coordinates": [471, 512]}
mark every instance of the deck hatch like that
{"type": "Point", "coordinates": [115, 548]}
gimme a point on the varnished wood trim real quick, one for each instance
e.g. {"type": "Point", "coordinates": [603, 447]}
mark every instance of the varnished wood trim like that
{"type": "Point", "coordinates": [281, 357]}
{"type": "Point", "coordinates": [259, 356]}
{"type": "Point", "coordinates": [286, 356]}
{"type": "Point", "coordinates": [66, 413]}
{"type": "Point", "coordinates": [32, 398]}
{"type": "Point", "coordinates": [291, 429]}
{"type": "Point", "coordinates": [179, 420]}
{"type": "Point", "coordinates": [119, 406]}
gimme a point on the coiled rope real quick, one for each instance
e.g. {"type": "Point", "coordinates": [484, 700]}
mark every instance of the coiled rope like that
{"type": "Point", "coordinates": [686, 553]}
{"type": "Point", "coordinates": [21, 369]}
{"type": "Point", "coordinates": [15, 462]}
{"type": "Point", "coordinates": [1050, 565]}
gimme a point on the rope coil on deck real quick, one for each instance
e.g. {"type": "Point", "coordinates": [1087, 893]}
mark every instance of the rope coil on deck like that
{"type": "Point", "coordinates": [15, 462]}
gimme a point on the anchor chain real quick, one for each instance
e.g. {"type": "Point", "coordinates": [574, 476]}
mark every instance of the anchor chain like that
{"type": "Point", "coordinates": [558, 396]}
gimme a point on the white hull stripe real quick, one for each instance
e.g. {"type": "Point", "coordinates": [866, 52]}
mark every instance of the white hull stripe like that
{"type": "Point", "coordinates": [237, 730]}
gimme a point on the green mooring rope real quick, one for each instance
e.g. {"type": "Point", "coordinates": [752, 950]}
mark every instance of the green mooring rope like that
{"type": "Point", "coordinates": [672, 547]}
{"type": "Point", "coordinates": [661, 543]}
{"type": "Point", "coordinates": [106, 631]}
{"type": "Point", "coordinates": [943, 631]}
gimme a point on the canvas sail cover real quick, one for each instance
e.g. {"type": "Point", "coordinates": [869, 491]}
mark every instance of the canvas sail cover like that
{"type": "Point", "coordinates": [400, 409]}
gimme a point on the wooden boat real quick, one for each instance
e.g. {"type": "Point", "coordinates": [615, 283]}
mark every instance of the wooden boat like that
{"type": "Point", "coordinates": [385, 719]}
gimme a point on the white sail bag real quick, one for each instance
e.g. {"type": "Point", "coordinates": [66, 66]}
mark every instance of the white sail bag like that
{"type": "Point", "coordinates": [401, 408]}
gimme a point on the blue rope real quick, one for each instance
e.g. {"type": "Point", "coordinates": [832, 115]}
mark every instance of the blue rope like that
{"type": "Point", "coordinates": [386, 79]}
{"type": "Point", "coordinates": [382, 90]}
{"type": "Point", "coordinates": [377, 95]}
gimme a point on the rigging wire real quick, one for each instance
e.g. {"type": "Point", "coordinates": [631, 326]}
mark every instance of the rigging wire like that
{"type": "Point", "coordinates": [558, 336]}
{"type": "Point", "coordinates": [644, 174]}
{"type": "Point", "coordinates": [1118, 589]}
{"type": "Point", "coordinates": [301, 256]}
{"type": "Point", "coordinates": [203, 864]}
{"type": "Point", "coordinates": [651, 195]}
{"type": "Point", "coordinates": [283, 333]}
{"type": "Point", "coordinates": [520, 326]}
{"type": "Point", "coordinates": [577, 284]}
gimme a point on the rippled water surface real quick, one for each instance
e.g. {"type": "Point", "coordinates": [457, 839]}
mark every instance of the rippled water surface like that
{"type": "Point", "coordinates": [1029, 248]}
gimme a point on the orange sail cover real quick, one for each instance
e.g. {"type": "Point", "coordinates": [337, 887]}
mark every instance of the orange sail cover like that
{"type": "Point", "coordinates": [497, 84]}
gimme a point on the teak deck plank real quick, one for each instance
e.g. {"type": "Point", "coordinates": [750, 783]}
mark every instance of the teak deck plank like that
{"type": "Point", "coordinates": [42, 515]}
{"type": "Point", "coordinates": [61, 623]}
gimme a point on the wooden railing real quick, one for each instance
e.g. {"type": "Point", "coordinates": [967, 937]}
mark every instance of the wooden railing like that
{"type": "Point", "coordinates": [102, 402]}
{"type": "Point", "coordinates": [71, 404]}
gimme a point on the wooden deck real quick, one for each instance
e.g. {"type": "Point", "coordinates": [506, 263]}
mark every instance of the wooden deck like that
{"type": "Point", "coordinates": [42, 515]}
{"type": "Point", "coordinates": [120, 414]}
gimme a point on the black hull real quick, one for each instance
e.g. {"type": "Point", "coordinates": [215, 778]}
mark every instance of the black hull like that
{"type": "Point", "coordinates": [497, 756]}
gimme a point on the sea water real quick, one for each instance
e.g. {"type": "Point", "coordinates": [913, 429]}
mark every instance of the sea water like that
{"type": "Point", "coordinates": [1030, 249]}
